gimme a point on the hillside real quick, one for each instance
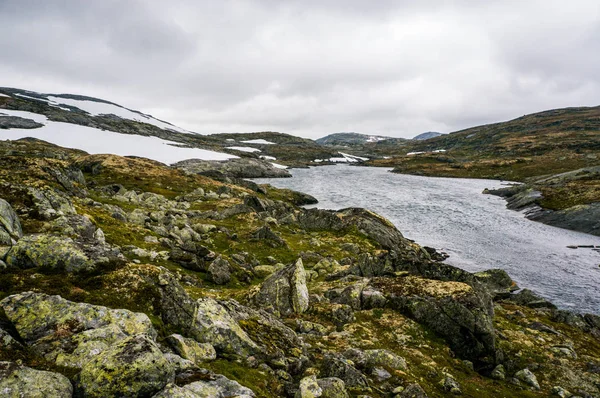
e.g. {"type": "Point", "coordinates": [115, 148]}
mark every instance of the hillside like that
{"type": "Point", "coordinates": [528, 149]}
{"type": "Point", "coordinates": [124, 277]}
{"type": "Point", "coordinates": [427, 135]}
{"type": "Point", "coordinates": [349, 139]}
{"type": "Point", "coordinates": [100, 126]}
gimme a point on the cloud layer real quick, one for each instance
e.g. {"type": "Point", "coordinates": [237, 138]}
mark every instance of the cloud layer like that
{"type": "Point", "coordinates": [310, 67]}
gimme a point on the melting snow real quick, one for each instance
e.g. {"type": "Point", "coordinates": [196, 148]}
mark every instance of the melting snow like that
{"type": "Point", "coordinates": [4, 95]}
{"type": "Point", "coordinates": [279, 166]}
{"type": "Point", "coordinates": [268, 157]}
{"type": "Point", "coordinates": [243, 148]}
{"type": "Point", "coordinates": [96, 108]}
{"type": "Point", "coordinates": [95, 141]}
{"type": "Point", "coordinates": [259, 141]}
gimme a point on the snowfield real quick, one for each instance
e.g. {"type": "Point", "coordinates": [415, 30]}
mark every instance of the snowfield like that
{"type": "Point", "coordinates": [259, 141]}
{"type": "Point", "coordinates": [243, 149]}
{"type": "Point", "coordinates": [95, 108]}
{"type": "Point", "coordinates": [96, 141]}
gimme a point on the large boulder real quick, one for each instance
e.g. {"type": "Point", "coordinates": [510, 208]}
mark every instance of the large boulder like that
{"type": "Point", "coordinates": [335, 365]}
{"type": "Point", "coordinates": [191, 349]}
{"type": "Point", "coordinates": [332, 387]}
{"type": "Point", "coordinates": [18, 381]}
{"type": "Point", "coordinates": [135, 367]}
{"type": "Point", "coordinates": [454, 310]}
{"type": "Point", "coordinates": [284, 292]}
{"type": "Point", "coordinates": [48, 252]}
{"type": "Point", "coordinates": [237, 168]}
{"type": "Point", "coordinates": [49, 203]}
{"type": "Point", "coordinates": [219, 387]}
{"type": "Point", "coordinates": [213, 324]}
{"type": "Point", "coordinates": [67, 333]}
{"type": "Point", "coordinates": [10, 227]}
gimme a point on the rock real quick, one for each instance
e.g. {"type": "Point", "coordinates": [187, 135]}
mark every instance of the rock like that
{"type": "Point", "coordinates": [68, 333]}
{"type": "Point", "coordinates": [527, 377]}
{"type": "Point", "coordinates": [497, 282]}
{"type": "Point", "coordinates": [191, 349]}
{"type": "Point", "coordinates": [219, 271]}
{"type": "Point", "coordinates": [332, 387]}
{"type": "Point", "coordinates": [263, 271]}
{"type": "Point", "coordinates": [213, 324]}
{"type": "Point", "coordinates": [219, 387]}
{"type": "Point", "coordinates": [413, 391]}
{"type": "Point", "coordinates": [449, 384]}
{"type": "Point", "coordinates": [335, 365]}
{"type": "Point", "coordinates": [309, 388]}
{"type": "Point", "coordinates": [528, 298]}
{"type": "Point", "coordinates": [50, 204]}
{"type": "Point", "coordinates": [341, 314]}
{"type": "Point", "coordinates": [237, 168]}
{"type": "Point", "coordinates": [380, 374]}
{"type": "Point", "coordinates": [48, 252]}
{"type": "Point", "coordinates": [173, 391]}
{"type": "Point", "coordinates": [560, 392]}
{"type": "Point", "coordinates": [385, 358]}
{"type": "Point", "coordinates": [351, 295]}
{"type": "Point", "coordinates": [134, 367]}
{"type": "Point", "coordinates": [20, 381]}
{"type": "Point", "coordinates": [16, 122]}
{"type": "Point", "coordinates": [498, 373]}
{"type": "Point", "coordinates": [266, 234]}
{"type": "Point", "coordinates": [10, 227]}
{"type": "Point", "coordinates": [284, 292]}
{"type": "Point", "coordinates": [454, 310]}
{"type": "Point", "coordinates": [307, 327]}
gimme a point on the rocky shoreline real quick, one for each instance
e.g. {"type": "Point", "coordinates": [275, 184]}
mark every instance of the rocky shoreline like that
{"type": "Point", "coordinates": [124, 277]}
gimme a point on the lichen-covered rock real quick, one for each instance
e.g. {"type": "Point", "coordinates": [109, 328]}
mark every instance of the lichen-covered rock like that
{"type": "Point", "coordinates": [191, 349]}
{"type": "Point", "coordinates": [267, 235]}
{"type": "Point", "coordinates": [497, 282]}
{"type": "Point", "coordinates": [50, 203]}
{"type": "Point", "coordinates": [67, 333]}
{"type": "Point", "coordinates": [173, 391]}
{"type": "Point", "coordinates": [527, 377]}
{"type": "Point", "coordinates": [23, 382]}
{"type": "Point", "coordinates": [309, 388]}
{"type": "Point", "coordinates": [335, 365]}
{"type": "Point", "coordinates": [213, 324]}
{"type": "Point", "coordinates": [385, 358]}
{"type": "Point", "coordinates": [10, 227]}
{"type": "Point", "coordinates": [134, 367]}
{"type": "Point", "coordinates": [454, 310]}
{"type": "Point", "coordinates": [529, 299]}
{"type": "Point", "coordinates": [219, 271]}
{"type": "Point", "coordinates": [219, 387]}
{"type": "Point", "coordinates": [332, 387]}
{"type": "Point", "coordinates": [48, 252]}
{"type": "Point", "coordinates": [413, 391]}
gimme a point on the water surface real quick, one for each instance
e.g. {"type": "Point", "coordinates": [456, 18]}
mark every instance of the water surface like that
{"type": "Point", "coordinates": [477, 230]}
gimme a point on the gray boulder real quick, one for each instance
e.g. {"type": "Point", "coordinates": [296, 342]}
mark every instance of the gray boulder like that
{"type": "Point", "coordinates": [284, 292]}
{"type": "Point", "coordinates": [219, 387]}
{"type": "Point", "coordinates": [237, 168]}
{"type": "Point", "coordinates": [335, 365]}
{"type": "Point", "coordinates": [20, 381]}
{"type": "Point", "coordinates": [219, 271]}
{"type": "Point", "coordinates": [135, 367]}
{"type": "Point", "coordinates": [332, 387]}
{"type": "Point", "coordinates": [191, 349]}
{"type": "Point", "coordinates": [10, 227]}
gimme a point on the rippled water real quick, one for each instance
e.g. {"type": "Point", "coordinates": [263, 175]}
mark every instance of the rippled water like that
{"type": "Point", "coordinates": [477, 230]}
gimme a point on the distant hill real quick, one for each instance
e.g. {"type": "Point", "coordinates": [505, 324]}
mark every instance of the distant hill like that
{"type": "Point", "coordinates": [340, 139]}
{"type": "Point", "coordinates": [427, 135]}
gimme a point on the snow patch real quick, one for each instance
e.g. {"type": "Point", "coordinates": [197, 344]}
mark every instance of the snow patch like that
{"type": "Point", "coordinates": [259, 141]}
{"type": "Point", "coordinates": [243, 148]}
{"type": "Point", "coordinates": [279, 166]}
{"type": "Point", "coordinates": [4, 95]}
{"type": "Point", "coordinates": [95, 141]}
{"type": "Point", "coordinates": [265, 157]}
{"type": "Point", "coordinates": [346, 155]}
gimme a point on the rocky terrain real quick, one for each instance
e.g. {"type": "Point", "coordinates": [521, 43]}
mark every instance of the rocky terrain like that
{"type": "Point", "coordinates": [125, 277]}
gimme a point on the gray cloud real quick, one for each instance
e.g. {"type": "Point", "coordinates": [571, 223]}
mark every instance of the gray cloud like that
{"type": "Point", "coordinates": [310, 67]}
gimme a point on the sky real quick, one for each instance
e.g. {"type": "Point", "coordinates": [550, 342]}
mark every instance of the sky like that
{"type": "Point", "coordinates": [310, 67]}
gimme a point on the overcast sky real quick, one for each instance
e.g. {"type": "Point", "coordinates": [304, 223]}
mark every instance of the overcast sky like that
{"type": "Point", "coordinates": [310, 67]}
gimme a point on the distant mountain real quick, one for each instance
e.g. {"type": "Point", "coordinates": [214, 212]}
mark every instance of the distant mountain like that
{"type": "Point", "coordinates": [427, 135]}
{"type": "Point", "coordinates": [98, 126]}
{"type": "Point", "coordinates": [340, 139]}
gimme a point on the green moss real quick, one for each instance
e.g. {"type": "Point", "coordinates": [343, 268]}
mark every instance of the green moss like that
{"type": "Point", "coordinates": [262, 383]}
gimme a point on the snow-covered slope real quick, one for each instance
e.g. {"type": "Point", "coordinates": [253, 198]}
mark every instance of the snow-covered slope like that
{"type": "Point", "coordinates": [95, 141]}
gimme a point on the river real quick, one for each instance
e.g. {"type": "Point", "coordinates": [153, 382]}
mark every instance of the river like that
{"type": "Point", "coordinates": [476, 230]}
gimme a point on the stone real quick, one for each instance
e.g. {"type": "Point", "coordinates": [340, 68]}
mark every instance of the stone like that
{"type": "Point", "coordinates": [219, 387]}
{"type": "Point", "coordinates": [498, 373]}
{"type": "Point", "coordinates": [528, 298]}
{"type": "Point", "coordinates": [192, 350]}
{"type": "Point", "coordinates": [497, 282]}
{"type": "Point", "coordinates": [213, 324]}
{"type": "Point", "coordinates": [413, 390]}
{"type": "Point", "coordinates": [48, 252]}
{"type": "Point", "coordinates": [267, 235]}
{"type": "Point", "coordinates": [50, 204]}
{"type": "Point", "coordinates": [385, 358]}
{"type": "Point", "coordinates": [309, 388]}
{"type": "Point", "coordinates": [284, 292]}
{"type": "Point", "coordinates": [10, 226]}
{"type": "Point", "coordinates": [342, 314]}
{"type": "Point", "coordinates": [132, 368]}
{"type": "Point", "coordinates": [18, 381]}
{"type": "Point", "coordinates": [335, 365]}
{"type": "Point", "coordinates": [263, 271]}
{"type": "Point", "coordinates": [449, 384]}
{"type": "Point", "coordinates": [219, 271]}
{"type": "Point", "coordinates": [173, 391]}
{"type": "Point", "coordinates": [235, 168]}
{"type": "Point", "coordinates": [332, 387]}
{"type": "Point", "coordinates": [527, 377]}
